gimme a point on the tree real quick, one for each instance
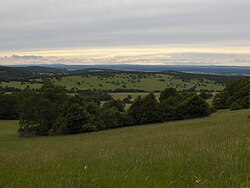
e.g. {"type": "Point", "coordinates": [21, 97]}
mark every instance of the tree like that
{"type": "Point", "coordinates": [45, 115]}
{"type": "Point", "coordinates": [118, 104]}
{"type": "Point", "coordinates": [76, 117]}
{"type": "Point", "coordinates": [169, 108]}
{"type": "Point", "coordinates": [168, 92]}
{"type": "Point", "coordinates": [9, 106]}
{"type": "Point", "coordinates": [193, 106]}
{"type": "Point", "coordinates": [39, 111]}
{"type": "Point", "coordinates": [109, 118]}
{"type": "Point", "coordinates": [206, 95]}
{"type": "Point", "coordinates": [221, 100]}
{"type": "Point", "coordinates": [146, 110]}
{"type": "Point", "coordinates": [238, 91]}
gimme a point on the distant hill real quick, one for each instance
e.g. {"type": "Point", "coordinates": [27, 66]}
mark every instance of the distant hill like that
{"type": "Point", "coordinates": [43, 69]}
{"type": "Point", "coordinates": [10, 73]}
{"type": "Point", "coordinates": [222, 79]}
{"type": "Point", "coordinates": [25, 73]}
{"type": "Point", "coordinates": [219, 70]}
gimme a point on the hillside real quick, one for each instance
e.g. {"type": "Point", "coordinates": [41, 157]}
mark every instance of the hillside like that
{"type": "Point", "coordinates": [25, 73]}
{"type": "Point", "coordinates": [207, 152]}
{"type": "Point", "coordinates": [11, 73]}
{"type": "Point", "coordinates": [110, 80]}
{"type": "Point", "coordinates": [216, 70]}
{"type": "Point", "coordinates": [40, 69]}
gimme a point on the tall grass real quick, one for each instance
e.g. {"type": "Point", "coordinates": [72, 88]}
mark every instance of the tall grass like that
{"type": "Point", "coordinates": [207, 152]}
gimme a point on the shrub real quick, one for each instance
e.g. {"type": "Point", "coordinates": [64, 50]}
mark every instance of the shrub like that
{"type": "Point", "coordinates": [235, 106]}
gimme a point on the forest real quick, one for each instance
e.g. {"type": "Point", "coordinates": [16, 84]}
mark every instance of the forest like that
{"type": "Point", "coordinates": [52, 112]}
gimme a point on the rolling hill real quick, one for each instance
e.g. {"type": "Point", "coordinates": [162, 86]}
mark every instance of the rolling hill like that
{"type": "Point", "coordinates": [207, 152]}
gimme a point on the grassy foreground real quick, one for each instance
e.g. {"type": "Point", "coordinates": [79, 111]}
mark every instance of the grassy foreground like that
{"type": "Point", "coordinates": [208, 152]}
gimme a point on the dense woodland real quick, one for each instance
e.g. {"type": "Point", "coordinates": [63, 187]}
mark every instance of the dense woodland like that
{"type": "Point", "coordinates": [51, 111]}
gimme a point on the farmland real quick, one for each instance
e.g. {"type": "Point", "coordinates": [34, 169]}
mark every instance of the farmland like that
{"type": "Point", "coordinates": [206, 152]}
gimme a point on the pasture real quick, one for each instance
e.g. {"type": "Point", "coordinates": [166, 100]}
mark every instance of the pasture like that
{"type": "Point", "coordinates": [148, 82]}
{"type": "Point", "coordinates": [126, 81]}
{"type": "Point", "coordinates": [206, 152]}
{"type": "Point", "coordinates": [20, 85]}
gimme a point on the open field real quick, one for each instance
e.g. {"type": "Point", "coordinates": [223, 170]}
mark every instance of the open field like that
{"type": "Point", "coordinates": [20, 85]}
{"type": "Point", "coordinates": [155, 82]}
{"type": "Point", "coordinates": [146, 82]}
{"type": "Point", "coordinates": [207, 152]}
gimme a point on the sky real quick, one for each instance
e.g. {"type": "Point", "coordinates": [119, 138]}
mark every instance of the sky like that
{"type": "Point", "coordinates": [181, 32]}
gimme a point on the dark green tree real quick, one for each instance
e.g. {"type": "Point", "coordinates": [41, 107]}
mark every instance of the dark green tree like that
{"type": "Point", "coordinates": [118, 104]}
{"type": "Point", "coordinates": [168, 92]}
{"type": "Point", "coordinates": [9, 106]}
{"type": "Point", "coordinates": [146, 110]}
{"type": "Point", "coordinates": [193, 106]}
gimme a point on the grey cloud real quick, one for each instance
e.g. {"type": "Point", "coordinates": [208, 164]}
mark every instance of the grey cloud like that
{"type": "Point", "coordinates": [29, 24]}
{"type": "Point", "coordinates": [233, 59]}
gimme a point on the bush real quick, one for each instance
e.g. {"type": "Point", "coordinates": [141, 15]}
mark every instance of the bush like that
{"type": "Point", "coordinates": [235, 106]}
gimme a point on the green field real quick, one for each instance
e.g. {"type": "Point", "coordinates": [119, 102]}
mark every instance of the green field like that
{"type": "Point", "coordinates": [20, 85]}
{"type": "Point", "coordinates": [207, 152]}
{"type": "Point", "coordinates": [147, 82]}
{"type": "Point", "coordinates": [155, 82]}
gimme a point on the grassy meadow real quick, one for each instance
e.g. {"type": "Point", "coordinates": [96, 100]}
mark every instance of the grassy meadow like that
{"type": "Point", "coordinates": [154, 82]}
{"type": "Point", "coordinates": [207, 152]}
{"type": "Point", "coordinates": [146, 82]}
{"type": "Point", "coordinates": [21, 85]}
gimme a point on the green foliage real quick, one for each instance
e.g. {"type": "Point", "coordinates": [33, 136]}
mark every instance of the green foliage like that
{"type": "Point", "coordinates": [39, 111]}
{"type": "Point", "coordinates": [145, 110]}
{"type": "Point", "coordinates": [126, 101]}
{"type": "Point", "coordinates": [168, 92]}
{"type": "Point", "coordinates": [236, 106]}
{"type": "Point", "coordinates": [77, 116]}
{"type": "Point", "coordinates": [184, 106]}
{"type": "Point", "coordinates": [193, 106]}
{"type": "Point", "coordinates": [118, 104]}
{"type": "Point", "coordinates": [236, 92]}
{"type": "Point", "coordinates": [206, 95]}
{"type": "Point", "coordinates": [8, 106]}
{"type": "Point", "coordinates": [170, 108]}
{"type": "Point", "coordinates": [52, 112]}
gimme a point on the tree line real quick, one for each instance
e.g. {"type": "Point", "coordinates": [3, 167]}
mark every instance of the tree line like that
{"type": "Point", "coordinates": [235, 96]}
{"type": "Point", "coordinates": [52, 112]}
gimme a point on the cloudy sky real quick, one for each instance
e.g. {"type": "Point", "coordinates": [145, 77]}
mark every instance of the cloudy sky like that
{"type": "Point", "coordinates": [125, 31]}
